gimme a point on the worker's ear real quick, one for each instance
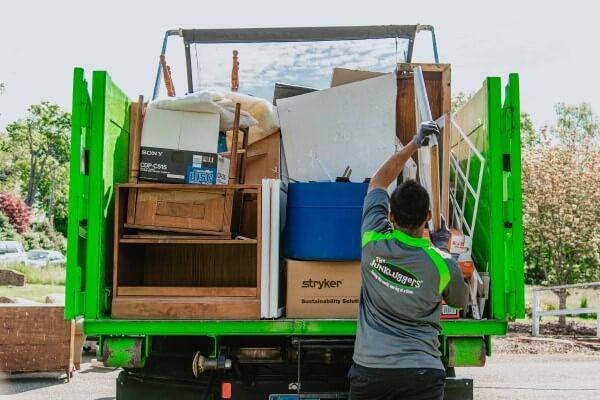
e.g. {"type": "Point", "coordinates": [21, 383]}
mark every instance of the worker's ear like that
{"type": "Point", "coordinates": [391, 218]}
{"type": "Point", "coordinates": [428, 218]}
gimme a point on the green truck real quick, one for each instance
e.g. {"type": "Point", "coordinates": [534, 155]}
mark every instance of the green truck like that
{"type": "Point", "coordinates": [279, 358]}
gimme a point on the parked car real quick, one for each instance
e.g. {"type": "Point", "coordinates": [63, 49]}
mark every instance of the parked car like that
{"type": "Point", "coordinates": [12, 252]}
{"type": "Point", "coordinates": [42, 258]}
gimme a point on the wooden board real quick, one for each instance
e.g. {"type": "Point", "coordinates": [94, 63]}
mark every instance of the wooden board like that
{"type": "Point", "coordinates": [186, 265]}
{"type": "Point", "coordinates": [172, 236]}
{"type": "Point", "coordinates": [187, 240]}
{"type": "Point", "coordinates": [187, 291]}
{"type": "Point", "coordinates": [437, 84]}
{"type": "Point", "coordinates": [35, 339]}
{"type": "Point", "coordinates": [135, 138]}
{"type": "Point", "coordinates": [192, 210]}
{"type": "Point", "coordinates": [263, 159]}
{"type": "Point", "coordinates": [215, 234]}
{"type": "Point", "coordinates": [342, 76]}
{"type": "Point", "coordinates": [170, 308]}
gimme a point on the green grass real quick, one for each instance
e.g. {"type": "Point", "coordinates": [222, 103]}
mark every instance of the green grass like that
{"type": "Point", "coordinates": [50, 275]}
{"type": "Point", "coordinates": [31, 292]}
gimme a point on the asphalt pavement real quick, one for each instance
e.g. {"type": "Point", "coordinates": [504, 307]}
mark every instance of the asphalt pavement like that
{"type": "Point", "coordinates": [506, 376]}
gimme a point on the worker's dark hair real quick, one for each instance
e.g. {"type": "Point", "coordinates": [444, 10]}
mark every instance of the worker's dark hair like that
{"type": "Point", "coordinates": [409, 204]}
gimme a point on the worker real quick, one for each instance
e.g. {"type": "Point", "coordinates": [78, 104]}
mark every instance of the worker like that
{"type": "Point", "coordinates": [404, 279]}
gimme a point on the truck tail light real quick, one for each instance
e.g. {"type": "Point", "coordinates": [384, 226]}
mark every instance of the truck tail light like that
{"type": "Point", "coordinates": [226, 390]}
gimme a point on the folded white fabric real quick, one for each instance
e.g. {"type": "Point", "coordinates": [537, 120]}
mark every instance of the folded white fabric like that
{"type": "Point", "coordinates": [262, 110]}
{"type": "Point", "coordinates": [256, 112]}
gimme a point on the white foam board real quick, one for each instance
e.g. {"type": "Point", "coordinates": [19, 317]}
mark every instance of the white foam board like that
{"type": "Point", "coordinates": [265, 249]}
{"type": "Point", "coordinates": [276, 230]}
{"type": "Point", "coordinates": [352, 124]}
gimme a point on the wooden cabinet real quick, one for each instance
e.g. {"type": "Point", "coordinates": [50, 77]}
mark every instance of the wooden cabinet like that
{"type": "Point", "coordinates": [189, 268]}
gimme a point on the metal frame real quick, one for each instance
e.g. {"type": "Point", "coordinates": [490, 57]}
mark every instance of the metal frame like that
{"type": "Point", "coordinates": [459, 175]}
{"type": "Point", "coordinates": [284, 35]}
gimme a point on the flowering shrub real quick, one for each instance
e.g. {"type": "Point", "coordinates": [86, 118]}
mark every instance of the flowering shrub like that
{"type": "Point", "coordinates": [18, 213]}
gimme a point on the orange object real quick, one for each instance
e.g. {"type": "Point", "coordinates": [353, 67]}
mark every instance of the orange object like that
{"type": "Point", "coordinates": [226, 390]}
{"type": "Point", "coordinates": [467, 268]}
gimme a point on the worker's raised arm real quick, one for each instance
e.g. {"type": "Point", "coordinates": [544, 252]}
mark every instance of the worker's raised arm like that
{"type": "Point", "coordinates": [391, 168]}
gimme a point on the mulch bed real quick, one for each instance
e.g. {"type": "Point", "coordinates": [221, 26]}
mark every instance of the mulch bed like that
{"type": "Point", "coordinates": [574, 338]}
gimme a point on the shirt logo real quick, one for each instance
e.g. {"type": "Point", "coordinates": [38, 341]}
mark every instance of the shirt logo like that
{"type": "Point", "coordinates": [394, 274]}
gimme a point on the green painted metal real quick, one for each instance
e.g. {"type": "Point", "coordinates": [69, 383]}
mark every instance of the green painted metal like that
{"type": "Point", "coordinates": [124, 352]}
{"type": "Point", "coordinates": [494, 194]}
{"type": "Point", "coordinates": [513, 203]}
{"type": "Point", "coordinates": [498, 237]}
{"type": "Point", "coordinates": [466, 351]}
{"type": "Point", "coordinates": [78, 197]}
{"type": "Point", "coordinates": [109, 152]}
{"type": "Point", "coordinates": [269, 327]}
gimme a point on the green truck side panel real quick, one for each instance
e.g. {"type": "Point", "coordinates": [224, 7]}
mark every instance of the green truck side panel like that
{"type": "Point", "coordinates": [494, 196]}
{"type": "Point", "coordinates": [514, 202]}
{"type": "Point", "coordinates": [100, 129]}
{"type": "Point", "coordinates": [99, 159]}
{"type": "Point", "coordinates": [498, 235]}
{"type": "Point", "coordinates": [78, 197]}
{"type": "Point", "coordinates": [109, 154]}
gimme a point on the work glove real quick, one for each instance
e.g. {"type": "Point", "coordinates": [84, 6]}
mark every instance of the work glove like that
{"type": "Point", "coordinates": [426, 130]}
{"type": "Point", "coordinates": [441, 238]}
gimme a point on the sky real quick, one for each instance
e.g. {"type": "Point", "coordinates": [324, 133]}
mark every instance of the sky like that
{"type": "Point", "coordinates": [551, 44]}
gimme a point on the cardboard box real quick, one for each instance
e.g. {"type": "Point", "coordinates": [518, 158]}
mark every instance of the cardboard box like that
{"type": "Point", "coordinates": [180, 147]}
{"type": "Point", "coordinates": [342, 76]}
{"type": "Point", "coordinates": [318, 289]}
{"type": "Point", "coordinates": [449, 312]}
{"type": "Point", "coordinates": [460, 244]}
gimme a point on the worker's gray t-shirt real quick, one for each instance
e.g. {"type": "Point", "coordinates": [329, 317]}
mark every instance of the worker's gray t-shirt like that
{"type": "Point", "coordinates": [402, 283]}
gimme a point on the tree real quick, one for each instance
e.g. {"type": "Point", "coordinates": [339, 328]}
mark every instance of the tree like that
{"type": "Point", "coordinates": [561, 193]}
{"type": "Point", "coordinates": [17, 212]}
{"type": "Point", "coordinates": [40, 148]}
{"type": "Point", "coordinates": [576, 124]}
{"type": "Point", "coordinates": [529, 135]}
{"type": "Point", "coordinates": [43, 236]}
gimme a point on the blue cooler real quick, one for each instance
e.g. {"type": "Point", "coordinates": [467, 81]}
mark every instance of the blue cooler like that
{"type": "Point", "coordinates": [323, 220]}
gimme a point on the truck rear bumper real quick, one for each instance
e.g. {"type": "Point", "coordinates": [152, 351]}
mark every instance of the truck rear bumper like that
{"type": "Point", "coordinates": [132, 386]}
